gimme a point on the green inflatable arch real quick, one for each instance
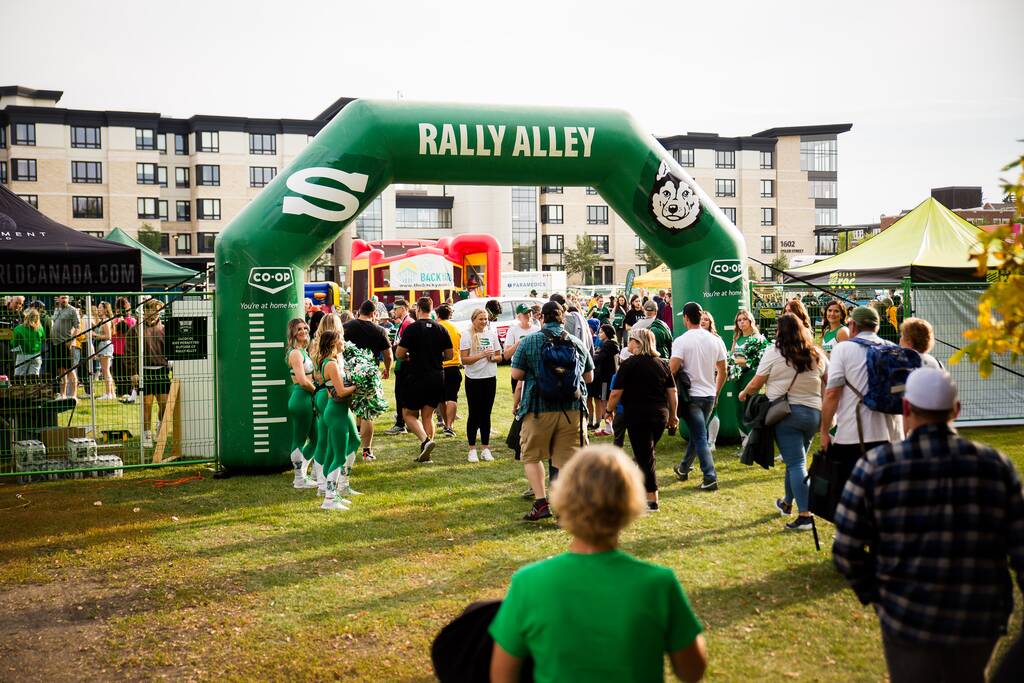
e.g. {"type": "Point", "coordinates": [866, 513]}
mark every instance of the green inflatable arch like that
{"type": "Point", "coordinates": [262, 255]}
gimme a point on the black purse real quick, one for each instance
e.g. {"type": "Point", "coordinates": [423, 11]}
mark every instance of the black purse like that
{"type": "Point", "coordinates": [513, 437]}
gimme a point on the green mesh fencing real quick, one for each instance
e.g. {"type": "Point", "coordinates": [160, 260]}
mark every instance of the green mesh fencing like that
{"type": "Point", "coordinates": [105, 382]}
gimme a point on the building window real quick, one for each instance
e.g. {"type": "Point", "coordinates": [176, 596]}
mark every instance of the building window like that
{"type": "Point", "coordinates": [3, 172]}
{"type": "Point", "coordinates": [524, 228]}
{"type": "Point", "coordinates": [553, 244]}
{"type": "Point", "coordinates": [147, 207]}
{"type": "Point", "coordinates": [87, 172]}
{"type": "Point", "coordinates": [818, 155]}
{"type": "Point", "coordinates": [162, 209]}
{"type": "Point", "coordinates": [370, 223]}
{"type": "Point", "coordinates": [31, 199]}
{"type": "Point", "coordinates": [828, 245]}
{"type": "Point", "coordinates": [597, 215]}
{"type": "Point", "coordinates": [87, 207]}
{"type": "Point", "coordinates": [161, 176]}
{"type": "Point", "coordinates": [767, 160]}
{"type": "Point", "coordinates": [421, 217]}
{"type": "Point", "coordinates": [551, 190]}
{"type": "Point", "coordinates": [183, 210]}
{"type": "Point", "coordinates": [638, 246]}
{"type": "Point", "coordinates": [767, 215]}
{"type": "Point", "coordinates": [767, 273]}
{"type": "Point", "coordinates": [767, 244]}
{"type": "Point", "coordinates": [161, 143]}
{"type": "Point", "coordinates": [551, 214]}
{"type": "Point", "coordinates": [183, 243]}
{"type": "Point", "coordinates": [261, 143]}
{"type": "Point", "coordinates": [601, 275]}
{"type": "Point", "coordinates": [209, 141]}
{"type": "Point", "coordinates": [204, 242]}
{"type": "Point", "coordinates": [552, 266]}
{"type": "Point", "coordinates": [730, 213]}
{"type": "Point", "coordinates": [207, 175]}
{"type": "Point", "coordinates": [23, 169]}
{"type": "Point", "coordinates": [591, 190]}
{"type": "Point", "coordinates": [3, 137]}
{"type": "Point", "coordinates": [823, 217]}
{"type": "Point", "coordinates": [85, 137]}
{"type": "Point", "coordinates": [180, 144]}
{"type": "Point", "coordinates": [767, 189]}
{"type": "Point", "coordinates": [600, 243]}
{"type": "Point", "coordinates": [684, 157]}
{"type": "Point", "coordinates": [725, 187]}
{"type": "Point", "coordinates": [98, 234]}
{"type": "Point", "coordinates": [260, 176]}
{"type": "Point", "coordinates": [145, 138]}
{"type": "Point", "coordinates": [24, 134]}
{"type": "Point", "coordinates": [181, 176]}
{"type": "Point", "coordinates": [165, 244]}
{"type": "Point", "coordinates": [208, 209]}
{"type": "Point", "coordinates": [822, 189]}
{"type": "Point", "coordinates": [725, 159]}
{"type": "Point", "coordinates": [145, 174]}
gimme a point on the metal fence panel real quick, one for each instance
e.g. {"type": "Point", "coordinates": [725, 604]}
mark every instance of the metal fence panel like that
{"type": "Point", "coordinates": [106, 382]}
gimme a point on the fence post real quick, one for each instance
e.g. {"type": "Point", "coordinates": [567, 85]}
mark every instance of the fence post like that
{"type": "Point", "coordinates": [140, 327]}
{"type": "Point", "coordinates": [86, 348]}
{"type": "Point", "coordinates": [908, 309]}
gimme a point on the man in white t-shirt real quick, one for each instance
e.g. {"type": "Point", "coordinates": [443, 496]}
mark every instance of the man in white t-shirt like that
{"type": "Point", "coordinates": [701, 355]}
{"type": "Point", "coordinates": [848, 364]}
{"type": "Point", "coordinates": [524, 326]}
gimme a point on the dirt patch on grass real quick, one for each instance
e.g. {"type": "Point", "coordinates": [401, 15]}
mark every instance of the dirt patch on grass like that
{"type": "Point", "coordinates": [59, 631]}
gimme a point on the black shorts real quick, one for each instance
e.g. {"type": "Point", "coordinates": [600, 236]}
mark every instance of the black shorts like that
{"type": "Point", "coordinates": [156, 381]}
{"type": "Point", "coordinates": [421, 391]}
{"type": "Point", "coordinates": [594, 390]}
{"type": "Point", "coordinates": [61, 356]}
{"type": "Point", "coordinates": [452, 383]}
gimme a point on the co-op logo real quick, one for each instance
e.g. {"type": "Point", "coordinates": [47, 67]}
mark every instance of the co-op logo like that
{"type": "Point", "coordinates": [727, 270]}
{"type": "Point", "coordinates": [270, 280]}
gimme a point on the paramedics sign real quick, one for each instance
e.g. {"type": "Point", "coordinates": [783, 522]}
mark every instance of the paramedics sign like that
{"type": "Point", "coordinates": [423, 271]}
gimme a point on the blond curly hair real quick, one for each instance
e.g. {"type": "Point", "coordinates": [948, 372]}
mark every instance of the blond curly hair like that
{"type": "Point", "coordinates": [598, 494]}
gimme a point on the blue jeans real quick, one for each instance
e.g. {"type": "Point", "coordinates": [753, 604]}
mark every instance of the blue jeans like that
{"type": "Point", "coordinates": [696, 413]}
{"type": "Point", "coordinates": [794, 436]}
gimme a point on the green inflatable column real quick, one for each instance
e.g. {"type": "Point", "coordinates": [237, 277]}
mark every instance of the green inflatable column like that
{"type": "Point", "coordinates": [262, 255]}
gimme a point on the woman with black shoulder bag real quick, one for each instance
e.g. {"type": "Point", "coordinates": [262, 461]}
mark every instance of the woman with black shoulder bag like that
{"type": "Point", "coordinates": [795, 372]}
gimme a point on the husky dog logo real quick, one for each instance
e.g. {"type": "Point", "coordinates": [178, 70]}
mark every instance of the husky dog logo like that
{"type": "Point", "coordinates": [674, 202]}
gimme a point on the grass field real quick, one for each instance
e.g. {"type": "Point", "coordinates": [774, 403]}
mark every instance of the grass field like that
{"type": "Point", "coordinates": [163, 575]}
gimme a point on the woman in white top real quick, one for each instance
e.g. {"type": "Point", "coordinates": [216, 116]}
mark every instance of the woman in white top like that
{"type": "Point", "coordinates": [105, 349]}
{"type": "Point", "coordinates": [796, 368]}
{"type": "Point", "coordinates": [525, 326]}
{"type": "Point", "coordinates": [480, 351]}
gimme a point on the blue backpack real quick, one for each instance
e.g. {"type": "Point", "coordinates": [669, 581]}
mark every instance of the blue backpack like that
{"type": "Point", "coordinates": [888, 367]}
{"type": "Point", "coordinates": [561, 371]}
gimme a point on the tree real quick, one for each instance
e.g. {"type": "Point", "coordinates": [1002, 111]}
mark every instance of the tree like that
{"type": "Point", "coordinates": [752, 274]}
{"type": "Point", "coordinates": [648, 256]}
{"type": "Point", "coordinates": [150, 237]}
{"type": "Point", "coordinates": [1000, 327]}
{"type": "Point", "coordinates": [779, 263]}
{"type": "Point", "coordinates": [581, 259]}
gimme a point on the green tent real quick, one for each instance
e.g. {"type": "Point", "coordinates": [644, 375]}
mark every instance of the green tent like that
{"type": "Point", "coordinates": [156, 270]}
{"type": "Point", "coordinates": [929, 244]}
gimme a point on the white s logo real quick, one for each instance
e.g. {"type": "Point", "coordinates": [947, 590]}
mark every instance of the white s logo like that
{"type": "Point", "coordinates": [298, 182]}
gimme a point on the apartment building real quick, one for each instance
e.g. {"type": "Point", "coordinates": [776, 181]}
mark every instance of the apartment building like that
{"type": "Point", "coordinates": [187, 178]}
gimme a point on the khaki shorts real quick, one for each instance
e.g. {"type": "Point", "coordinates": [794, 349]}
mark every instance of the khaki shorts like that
{"type": "Point", "coordinates": [551, 435]}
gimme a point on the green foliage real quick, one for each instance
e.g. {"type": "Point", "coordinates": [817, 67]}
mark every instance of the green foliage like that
{"type": "Point", "coordinates": [779, 263]}
{"type": "Point", "coordinates": [650, 259]}
{"type": "Point", "coordinates": [149, 237]}
{"type": "Point", "coordinates": [581, 259]}
{"type": "Point", "coordinates": [1000, 328]}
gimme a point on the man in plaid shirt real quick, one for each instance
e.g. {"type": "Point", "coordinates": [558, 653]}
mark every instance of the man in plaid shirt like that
{"type": "Point", "coordinates": [925, 531]}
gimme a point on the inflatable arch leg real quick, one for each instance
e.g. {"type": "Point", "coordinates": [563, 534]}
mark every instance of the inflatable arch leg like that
{"type": "Point", "coordinates": [261, 257]}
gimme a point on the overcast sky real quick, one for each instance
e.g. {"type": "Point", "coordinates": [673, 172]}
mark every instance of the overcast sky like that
{"type": "Point", "coordinates": [933, 89]}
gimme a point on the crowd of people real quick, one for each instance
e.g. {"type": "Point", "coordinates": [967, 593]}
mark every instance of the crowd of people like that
{"type": "Point", "coordinates": [612, 368]}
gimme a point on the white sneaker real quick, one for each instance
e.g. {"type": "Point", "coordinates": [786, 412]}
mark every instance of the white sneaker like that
{"type": "Point", "coordinates": [472, 455]}
{"type": "Point", "coordinates": [333, 504]}
{"type": "Point", "coordinates": [486, 455]}
{"type": "Point", "coordinates": [347, 490]}
{"type": "Point", "coordinates": [147, 439]}
{"type": "Point", "coordinates": [304, 482]}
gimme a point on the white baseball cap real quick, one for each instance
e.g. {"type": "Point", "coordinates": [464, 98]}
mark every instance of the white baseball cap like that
{"type": "Point", "coordinates": [931, 389]}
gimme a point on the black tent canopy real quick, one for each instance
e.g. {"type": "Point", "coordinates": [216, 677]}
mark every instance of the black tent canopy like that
{"type": "Point", "coordinates": [40, 255]}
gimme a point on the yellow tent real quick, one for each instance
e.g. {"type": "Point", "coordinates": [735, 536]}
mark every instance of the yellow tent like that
{"type": "Point", "coordinates": [659, 278]}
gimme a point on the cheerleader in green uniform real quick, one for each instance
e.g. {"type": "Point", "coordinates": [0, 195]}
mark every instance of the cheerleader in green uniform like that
{"type": "Point", "coordinates": [300, 402]}
{"type": "Point", "coordinates": [342, 435]}
{"type": "Point", "coordinates": [329, 323]}
{"type": "Point", "coordinates": [834, 329]}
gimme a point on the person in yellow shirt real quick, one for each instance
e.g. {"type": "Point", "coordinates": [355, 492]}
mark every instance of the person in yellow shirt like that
{"type": "Point", "coordinates": [452, 372]}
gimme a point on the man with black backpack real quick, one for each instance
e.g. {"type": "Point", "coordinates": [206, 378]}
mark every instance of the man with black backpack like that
{"type": "Point", "coordinates": [864, 393]}
{"type": "Point", "coordinates": [554, 368]}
